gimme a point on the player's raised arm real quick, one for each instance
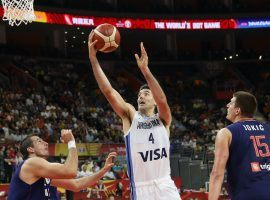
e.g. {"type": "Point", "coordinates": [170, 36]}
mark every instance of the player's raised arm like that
{"type": "Point", "coordinates": [84, 182]}
{"type": "Point", "coordinates": [158, 94]}
{"type": "Point", "coordinates": [122, 108]}
{"type": "Point", "coordinates": [40, 167]}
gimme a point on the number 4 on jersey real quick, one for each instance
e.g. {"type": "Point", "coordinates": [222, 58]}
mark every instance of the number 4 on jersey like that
{"type": "Point", "coordinates": [151, 138]}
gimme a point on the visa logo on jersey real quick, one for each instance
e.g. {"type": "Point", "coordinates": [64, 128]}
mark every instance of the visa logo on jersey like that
{"type": "Point", "coordinates": [155, 154]}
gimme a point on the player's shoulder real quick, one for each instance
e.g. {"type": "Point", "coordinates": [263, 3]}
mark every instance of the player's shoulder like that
{"type": "Point", "coordinates": [131, 107]}
{"type": "Point", "coordinates": [234, 126]}
{"type": "Point", "coordinates": [224, 131]}
{"type": "Point", "coordinates": [34, 161]}
{"type": "Point", "coordinates": [131, 111]}
{"type": "Point", "coordinates": [224, 135]}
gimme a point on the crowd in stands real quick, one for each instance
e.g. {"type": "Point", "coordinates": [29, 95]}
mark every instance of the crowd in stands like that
{"type": "Point", "coordinates": [205, 51]}
{"type": "Point", "coordinates": [10, 157]}
{"type": "Point", "coordinates": [60, 104]}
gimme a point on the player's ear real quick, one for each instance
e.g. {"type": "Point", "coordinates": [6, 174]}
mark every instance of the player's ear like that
{"type": "Point", "coordinates": [238, 111]}
{"type": "Point", "coordinates": [155, 104]}
{"type": "Point", "coordinates": [30, 150]}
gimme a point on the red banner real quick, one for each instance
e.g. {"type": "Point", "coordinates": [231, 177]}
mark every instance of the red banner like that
{"type": "Point", "coordinates": [120, 149]}
{"type": "Point", "coordinates": [133, 23]}
{"type": "Point", "coordinates": [111, 188]}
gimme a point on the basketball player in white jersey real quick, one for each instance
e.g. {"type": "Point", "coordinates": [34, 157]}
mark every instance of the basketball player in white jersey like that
{"type": "Point", "coordinates": [146, 133]}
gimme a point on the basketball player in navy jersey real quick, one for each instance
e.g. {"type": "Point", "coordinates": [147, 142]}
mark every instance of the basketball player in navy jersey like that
{"type": "Point", "coordinates": [243, 149]}
{"type": "Point", "coordinates": [146, 132]}
{"type": "Point", "coordinates": [34, 176]}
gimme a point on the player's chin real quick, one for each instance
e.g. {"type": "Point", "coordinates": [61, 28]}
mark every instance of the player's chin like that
{"type": "Point", "coordinates": [228, 117]}
{"type": "Point", "coordinates": [46, 154]}
{"type": "Point", "coordinates": [141, 107]}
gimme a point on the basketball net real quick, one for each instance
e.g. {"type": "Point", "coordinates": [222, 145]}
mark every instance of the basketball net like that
{"type": "Point", "coordinates": [18, 11]}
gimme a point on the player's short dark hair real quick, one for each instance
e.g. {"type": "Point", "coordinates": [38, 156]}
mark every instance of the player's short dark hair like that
{"type": "Point", "coordinates": [246, 102]}
{"type": "Point", "coordinates": [144, 86]}
{"type": "Point", "coordinates": [25, 143]}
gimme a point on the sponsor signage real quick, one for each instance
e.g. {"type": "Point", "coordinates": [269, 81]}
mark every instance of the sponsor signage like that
{"type": "Point", "coordinates": [87, 149]}
{"type": "Point", "coordinates": [147, 23]}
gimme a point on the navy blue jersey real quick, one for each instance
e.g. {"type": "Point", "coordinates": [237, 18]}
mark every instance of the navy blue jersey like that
{"type": "Point", "coordinates": [54, 195]}
{"type": "Point", "coordinates": [248, 166]}
{"type": "Point", "coordinates": [19, 190]}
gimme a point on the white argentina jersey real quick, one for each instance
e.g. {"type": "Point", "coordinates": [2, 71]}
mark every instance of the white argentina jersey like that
{"type": "Point", "coordinates": [147, 149]}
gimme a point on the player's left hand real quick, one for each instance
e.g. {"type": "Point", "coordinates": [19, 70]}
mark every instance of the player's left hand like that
{"type": "Point", "coordinates": [142, 61]}
{"type": "Point", "coordinates": [91, 45]}
{"type": "Point", "coordinates": [110, 161]}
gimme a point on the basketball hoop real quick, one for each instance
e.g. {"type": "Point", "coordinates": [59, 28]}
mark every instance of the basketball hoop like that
{"type": "Point", "coordinates": [18, 11]}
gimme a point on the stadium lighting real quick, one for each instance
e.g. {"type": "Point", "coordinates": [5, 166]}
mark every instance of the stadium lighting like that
{"type": "Point", "coordinates": [260, 57]}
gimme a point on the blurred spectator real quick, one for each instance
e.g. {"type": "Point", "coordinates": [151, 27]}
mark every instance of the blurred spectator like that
{"type": "Point", "coordinates": [110, 197]}
{"type": "Point", "coordinates": [109, 175]}
{"type": "Point", "coordinates": [84, 172]}
{"type": "Point", "coordinates": [88, 165]}
{"type": "Point", "coordinates": [96, 168]}
{"type": "Point", "coordinates": [96, 191]}
{"type": "Point", "coordinates": [119, 189]}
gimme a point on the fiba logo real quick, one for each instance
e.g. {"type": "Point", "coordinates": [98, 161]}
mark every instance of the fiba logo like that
{"type": "Point", "coordinates": [127, 24]}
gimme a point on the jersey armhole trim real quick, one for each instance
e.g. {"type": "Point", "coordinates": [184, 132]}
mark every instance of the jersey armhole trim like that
{"type": "Point", "coordinates": [128, 132]}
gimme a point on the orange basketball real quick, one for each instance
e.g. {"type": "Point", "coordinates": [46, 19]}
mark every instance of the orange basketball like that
{"type": "Point", "coordinates": [108, 38]}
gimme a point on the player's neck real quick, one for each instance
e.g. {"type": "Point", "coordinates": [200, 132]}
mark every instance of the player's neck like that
{"type": "Point", "coordinates": [240, 119]}
{"type": "Point", "coordinates": [34, 155]}
{"type": "Point", "coordinates": [147, 113]}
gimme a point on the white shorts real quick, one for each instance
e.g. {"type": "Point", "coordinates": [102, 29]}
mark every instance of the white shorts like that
{"type": "Point", "coordinates": [159, 189]}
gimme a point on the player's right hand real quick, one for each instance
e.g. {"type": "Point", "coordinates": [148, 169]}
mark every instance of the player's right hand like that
{"type": "Point", "coordinates": [110, 161]}
{"type": "Point", "coordinates": [66, 135]}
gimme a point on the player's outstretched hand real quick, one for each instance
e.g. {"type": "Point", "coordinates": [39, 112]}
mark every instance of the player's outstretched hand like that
{"type": "Point", "coordinates": [91, 44]}
{"type": "Point", "coordinates": [66, 135]}
{"type": "Point", "coordinates": [110, 161]}
{"type": "Point", "coordinates": [142, 61]}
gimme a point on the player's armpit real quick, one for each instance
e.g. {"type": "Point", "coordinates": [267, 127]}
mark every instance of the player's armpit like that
{"type": "Point", "coordinates": [122, 108]}
{"type": "Point", "coordinates": [164, 112]}
{"type": "Point", "coordinates": [42, 168]}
